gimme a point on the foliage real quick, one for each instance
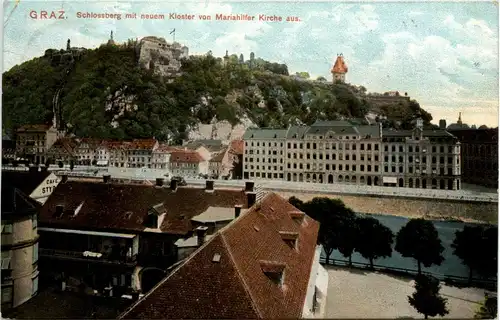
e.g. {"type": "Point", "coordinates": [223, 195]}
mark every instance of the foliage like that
{"type": "Point", "coordinates": [71, 165]}
{"type": "Point", "coordinates": [105, 94]}
{"type": "Point", "coordinates": [60, 164]}
{"type": "Point", "coordinates": [419, 239]}
{"type": "Point", "coordinates": [374, 240]}
{"type": "Point", "coordinates": [426, 299]}
{"type": "Point", "coordinates": [477, 246]}
{"type": "Point", "coordinates": [296, 202]}
{"type": "Point", "coordinates": [488, 308]}
{"type": "Point", "coordinates": [336, 224]}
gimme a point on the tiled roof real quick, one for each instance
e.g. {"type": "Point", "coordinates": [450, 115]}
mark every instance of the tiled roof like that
{"type": "Point", "coordinates": [237, 146]}
{"type": "Point", "coordinates": [123, 207]}
{"type": "Point", "coordinates": [66, 144]}
{"type": "Point", "coordinates": [219, 156]}
{"type": "Point", "coordinates": [340, 66]}
{"type": "Point", "coordinates": [25, 181]}
{"type": "Point", "coordinates": [34, 128]}
{"type": "Point", "coordinates": [264, 133]}
{"type": "Point", "coordinates": [185, 156]}
{"type": "Point", "coordinates": [236, 286]}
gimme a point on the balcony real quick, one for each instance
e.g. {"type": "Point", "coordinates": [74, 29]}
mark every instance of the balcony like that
{"type": "Point", "coordinates": [88, 256]}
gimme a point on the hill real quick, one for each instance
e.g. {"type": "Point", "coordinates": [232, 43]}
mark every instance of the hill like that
{"type": "Point", "coordinates": [106, 93]}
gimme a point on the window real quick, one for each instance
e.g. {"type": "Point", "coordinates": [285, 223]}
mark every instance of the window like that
{"type": "Point", "coordinates": [6, 294]}
{"type": "Point", "coordinates": [7, 228]}
{"type": "Point", "coordinates": [35, 285]}
{"type": "Point", "coordinates": [35, 253]}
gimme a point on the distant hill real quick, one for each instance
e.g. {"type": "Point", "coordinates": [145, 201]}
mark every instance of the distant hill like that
{"type": "Point", "coordinates": [106, 93]}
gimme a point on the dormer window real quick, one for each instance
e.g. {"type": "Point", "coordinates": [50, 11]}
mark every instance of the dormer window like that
{"type": "Point", "coordinates": [297, 216]}
{"type": "Point", "coordinates": [155, 216]}
{"type": "Point", "coordinates": [290, 238]}
{"type": "Point", "coordinates": [274, 271]}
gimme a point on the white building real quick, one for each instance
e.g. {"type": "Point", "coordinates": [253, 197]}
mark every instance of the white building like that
{"type": "Point", "coordinates": [342, 152]}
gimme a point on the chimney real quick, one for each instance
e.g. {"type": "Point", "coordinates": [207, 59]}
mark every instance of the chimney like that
{"type": "Point", "coordinates": [33, 169]}
{"type": "Point", "coordinates": [200, 232]}
{"type": "Point", "coordinates": [237, 211]}
{"type": "Point", "coordinates": [59, 210]}
{"type": "Point", "coordinates": [106, 178]}
{"type": "Point", "coordinates": [442, 124]}
{"type": "Point", "coordinates": [64, 178]}
{"type": "Point", "coordinates": [173, 184]}
{"type": "Point", "coordinates": [251, 198]}
{"type": "Point", "coordinates": [249, 186]}
{"type": "Point", "coordinates": [159, 182]}
{"type": "Point", "coordinates": [209, 185]}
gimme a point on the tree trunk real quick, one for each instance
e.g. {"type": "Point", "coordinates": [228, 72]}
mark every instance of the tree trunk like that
{"type": "Point", "coordinates": [419, 270]}
{"type": "Point", "coordinates": [327, 258]}
{"type": "Point", "coordinates": [470, 275]}
{"type": "Point", "coordinates": [425, 316]}
{"type": "Point", "coordinates": [371, 263]}
{"type": "Point", "coordinates": [350, 260]}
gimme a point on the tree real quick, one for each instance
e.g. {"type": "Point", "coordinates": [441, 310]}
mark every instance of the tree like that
{"type": "Point", "coordinates": [335, 219]}
{"type": "Point", "coordinates": [242, 59]}
{"type": "Point", "coordinates": [374, 240]}
{"type": "Point", "coordinates": [321, 78]}
{"type": "Point", "coordinates": [94, 162]}
{"type": "Point", "coordinates": [419, 239]}
{"type": "Point", "coordinates": [296, 202]}
{"type": "Point", "coordinates": [487, 266]}
{"type": "Point", "coordinates": [47, 162]}
{"type": "Point", "coordinates": [71, 165]}
{"type": "Point", "coordinates": [426, 299]}
{"type": "Point", "coordinates": [468, 245]}
{"type": "Point", "coordinates": [488, 308]}
{"type": "Point", "coordinates": [60, 164]}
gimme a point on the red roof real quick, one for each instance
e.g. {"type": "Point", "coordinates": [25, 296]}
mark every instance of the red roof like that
{"type": "Point", "coordinates": [123, 207]}
{"type": "Point", "coordinates": [185, 156]}
{"type": "Point", "coordinates": [34, 128]}
{"type": "Point", "coordinates": [237, 285]}
{"type": "Point", "coordinates": [219, 156]}
{"type": "Point", "coordinates": [237, 146]}
{"type": "Point", "coordinates": [339, 66]}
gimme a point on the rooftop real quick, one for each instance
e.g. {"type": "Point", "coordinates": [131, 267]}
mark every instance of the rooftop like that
{"type": "Point", "coordinates": [216, 214]}
{"type": "Point", "coordinates": [340, 65]}
{"type": "Point", "coordinates": [25, 181]}
{"type": "Point", "coordinates": [185, 156]}
{"type": "Point", "coordinates": [34, 128]}
{"type": "Point", "coordinates": [237, 146]}
{"type": "Point", "coordinates": [124, 207]}
{"type": "Point", "coordinates": [240, 285]}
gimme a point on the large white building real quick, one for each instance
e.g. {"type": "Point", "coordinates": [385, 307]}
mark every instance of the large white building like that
{"type": "Point", "coordinates": [343, 152]}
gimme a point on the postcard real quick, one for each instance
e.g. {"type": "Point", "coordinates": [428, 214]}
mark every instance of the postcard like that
{"type": "Point", "coordinates": [249, 159]}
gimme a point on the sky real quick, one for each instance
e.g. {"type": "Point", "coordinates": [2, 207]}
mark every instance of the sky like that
{"type": "Point", "coordinates": [443, 54]}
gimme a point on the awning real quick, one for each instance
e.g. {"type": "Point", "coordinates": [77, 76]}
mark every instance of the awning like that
{"type": "Point", "coordinates": [390, 180]}
{"type": "Point", "coordinates": [102, 163]}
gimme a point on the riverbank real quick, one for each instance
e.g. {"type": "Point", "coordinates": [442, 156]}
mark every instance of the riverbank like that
{"type": "Point", "coordinates": [431, 209]}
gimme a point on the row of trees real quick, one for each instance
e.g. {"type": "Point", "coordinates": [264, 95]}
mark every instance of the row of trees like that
{"type": "Point", "coordinates": [341, 229]}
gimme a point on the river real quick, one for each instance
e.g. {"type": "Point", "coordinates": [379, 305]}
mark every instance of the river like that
{"type": "Point", "coordinates": [451, 265]}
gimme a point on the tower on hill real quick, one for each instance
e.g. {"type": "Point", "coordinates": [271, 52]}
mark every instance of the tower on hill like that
{"type": "Point", "coordinates": [339, 69]}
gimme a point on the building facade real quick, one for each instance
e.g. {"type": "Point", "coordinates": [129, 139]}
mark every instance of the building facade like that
{"type": "Point", "coordinates": [342, 152]}
{"type": "Point", "coordinates": [33, 141]}
{"type": "Point", "coordinates": [19, 247]}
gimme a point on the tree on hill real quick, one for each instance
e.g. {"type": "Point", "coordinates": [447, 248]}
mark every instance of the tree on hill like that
{"type": "Point", "coordinates": [419, 239]}
{"type": "Point", "coordinates": [373, 239]}
{"type": "Point", "coordinates": [426, 299]}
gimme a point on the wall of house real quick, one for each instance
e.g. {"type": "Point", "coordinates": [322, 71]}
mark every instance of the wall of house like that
{"type": "Point", "coordinates": [203, 167]}
{"type": "Point", "coordinates": [318, 284]}
{"type": "Point", "coordinates": [44, 190]}
{"type": "Point", "coordinates": [21, 246]}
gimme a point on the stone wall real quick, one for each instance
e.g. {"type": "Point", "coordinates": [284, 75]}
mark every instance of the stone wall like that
{"type": "Point", "coordinates": [164, 58]}
{"type": "Point", "coordinates": [428, 208]}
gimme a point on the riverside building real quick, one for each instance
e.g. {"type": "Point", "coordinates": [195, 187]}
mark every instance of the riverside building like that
{"type": "Point", "coordinates": [334, 152]}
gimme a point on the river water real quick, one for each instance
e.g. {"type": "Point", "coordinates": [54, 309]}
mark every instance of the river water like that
{"type": "Point", "coordinates": [451, 266]}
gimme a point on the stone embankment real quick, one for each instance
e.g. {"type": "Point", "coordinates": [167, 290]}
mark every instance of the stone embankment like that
{"type": "Point", "coordinates": [436, 209]}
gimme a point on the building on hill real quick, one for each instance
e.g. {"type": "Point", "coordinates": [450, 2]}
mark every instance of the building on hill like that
{"type": "Point", "coordinates": [339, 69]}
{"type": "Point", "coordinates": [343, 152]}
{"type": "Point", "coordinates": [479, 153]}
{"type": "Point", "coordinates": [19, 246]}
{"type": "Point", "coordinates": [110, 238]}
{"type": "Point", "coordinates": [277, 276]}
{"type": "Point", "coordinates": [187, 163]}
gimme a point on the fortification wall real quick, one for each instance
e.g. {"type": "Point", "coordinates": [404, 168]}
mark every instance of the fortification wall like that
{"type": "Point", "coordinates": [427, 208]}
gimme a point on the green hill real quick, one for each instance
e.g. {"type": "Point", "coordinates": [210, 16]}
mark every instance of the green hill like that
{"type": "Point", "coordinates": [105, 94]}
